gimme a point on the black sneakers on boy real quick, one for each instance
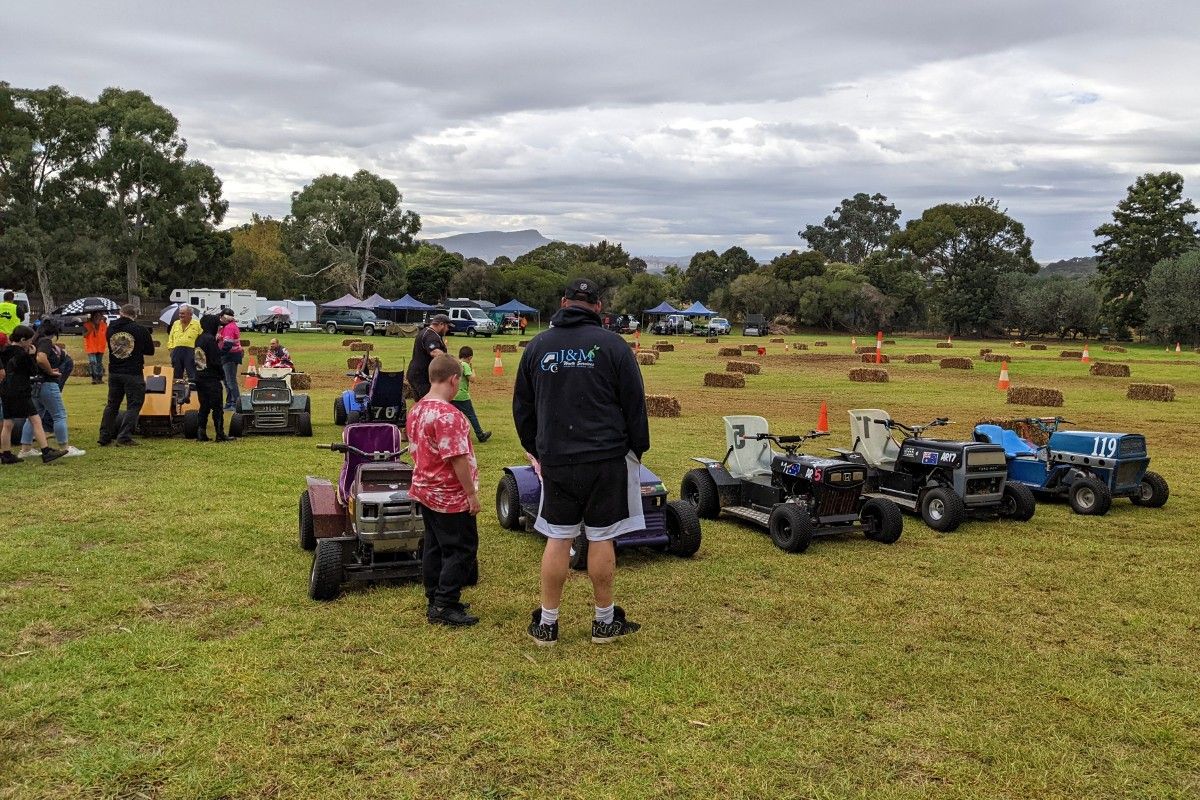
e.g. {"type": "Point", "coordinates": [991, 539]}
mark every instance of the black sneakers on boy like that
{"type": "Point", "coordinates": [542, 634]}
{"type": "Point", "coordinates": [604, 633]}
{"type": "Point", "coordinates": [454, 616]}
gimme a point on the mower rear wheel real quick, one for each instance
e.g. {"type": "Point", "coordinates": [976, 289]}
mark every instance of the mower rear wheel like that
{"type": "Point", "coordinates": [579, 552]}
{"type": "Point", "coordinates": [943, 510]}
{"type": "Point", "coordinates": [508, 503]}
{"type": "Point", "coordinates": [683, 529]}
{"type": "Point", "coordinates": [308, 531]}
{"type": "Point", "coordinates": [700, 489]}
{"type": "Point", "coordinates": [325, 580]}
{"type": "Point", "coordinates": [1018, 502]}
{"type": "Point", "coordinates": [1089, 496]}
{"type": "Point", "coordinates": [791, 528]}
{"type": "Point", "coordinates": [339, 411]}
{"type": "Point", "coordinates": [191, 424]}
{"type": "Point", "coordinates": [237, 425]}
{"type": "Point", "coordinates": [304, 423]}
{"type": "Point", "coordinates": [882, 521]}
{"type": "Point", "coordinates": [1153, 492]}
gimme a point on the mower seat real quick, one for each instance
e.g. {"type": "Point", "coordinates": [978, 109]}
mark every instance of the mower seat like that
{"type": "Point", "coordinates": [747, 458]}
{"type": "Point", "coordinates": [370, 437]}
{"type": "Point", "coordinates": [156, 384]}
{"type": "Point", "coordinates": [1014, 446]}
{"type": "Point", "coordinates": [385, 399]}
{"type": "Point", "coordinates": [871, 440]}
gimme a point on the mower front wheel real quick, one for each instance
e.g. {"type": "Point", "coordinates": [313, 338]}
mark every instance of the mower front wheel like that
{"type": "Point", "coordinates": [579, 552]}
{"type": "Point", "coordinates": [339, 411]}
{"type": "Point", "coordinates": [308, 530]}
{"type": "Point", "coordinates": [700, 489]}
{"type": "Point", "coordinates": [943, 510]}
{"type": "Point", "coordinates": [237, 424]}
{"type": "Point", "coordinates": [791, 528]}
{"type": "Point", "coordinates": [304, 423]}
{"type": "Point", "coordinates": [683, 529]}
{"type": "Point", "coordinates": [882, 521]}
{"type": "Point", "coordinates": [1089, 496]}
{"type": "Point", "coordinates": [508, 503]}
{"type": "Point", "coordinates": [191, 424]}
{"type": "Point", "coordinates": [325, 580]}
{"type": "Point", "coordinates": [1153, 492]}
{"type": "Point", "coordinates": [1018, 502]}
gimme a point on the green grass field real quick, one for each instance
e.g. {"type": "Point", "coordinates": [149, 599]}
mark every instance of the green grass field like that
{"type": "Point", "coordinates": [156, 638]}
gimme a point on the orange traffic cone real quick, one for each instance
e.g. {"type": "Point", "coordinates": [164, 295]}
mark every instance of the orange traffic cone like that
{"type": "Point", "coordinates": [823, 419]}
{"type": "Point", "coordinates": [1087, 358]}
{"type": "Point", "coordinates": [252, 373]}
{"type": "Point", "coordinates": [1003, 383]}
{"type": "Point", "coordinates": [879, 347]}
{"type": "Point", "coordinates": [498, 364]}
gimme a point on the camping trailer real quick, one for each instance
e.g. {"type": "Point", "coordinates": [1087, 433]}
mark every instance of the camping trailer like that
{"type": "Point", "coordinates": [244, 302]}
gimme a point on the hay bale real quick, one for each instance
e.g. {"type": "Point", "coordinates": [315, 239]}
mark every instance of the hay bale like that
{"type": "Point", "coordinates": [777, 340]}
{"type": "Point", "coordinates": [889, 341]}
{"type": "Point", "coordinates": [725, 380]}
{"type": "Point", "coordinates": [1107, 369]}
{"type": "Point", "coordinates": [507, 348]}
{"type": "Point", "coordinates": [647, 357]}
{"type": "Point", "coordinates": [944, 345]}
{"type": "Point", "coordinates": [661, 405]}
{"type": "Point", "coordinates": [1162, 392]}
{"type": "Point", "coordinates": [348, 342]}
{"type": "Point", "coordinates": [956, 363]}
{"type": "Point", "coordinates": [1034, 396]}
{"type": "Point", "coordinates": [258, 352]}
{"type": "Point", "coordinates": [353, 363]}
{"type": "Point", "coordinates": [858, 351]}
{"type": "Point", "coordinates": [997, 357]}
{"type": "Point", "coordinates": [1113, 348]}
{"type": "Point", "coordinates": [1028, 432]}
{"type": "Point", "coordinates": [1071, 354]}
{"type": "Point", "coordinates": [983, 351]}
{"type": "Point", "coordinates": [1037, 347]}
{"type": "Point", "coordinates": [1018, 344]}
{"type": "Point", "coordinates": [522, 343]}
{"type": "Point", "coordinates": [869, 358]}
{"type": "Point", "coordinates": [301, 381]}
{"type": "Point", "coordinates": [711, 340]}
{"type": "Point", "coordinates": [729, 351]}
{"type": "Point", "coordinates": [747, 367]}
{"type": "Point", "coordinates": [662, 341]}
{"type": "Point", "coordinates": [753, 347]}
{"type": "Point", "coordinates": [800, 346]}
{"type": "Point", "coordinates": [866, 375]}
{"type": "Point", "coordinates": [665, 347]}
{"type": "Point", "coordinates": [245, 342]}
{"type": "Point", "coordinates": [820, 344]}
{"type": "Point", "coordinates": [361, 347]}
{"type": "Point", "coordinates": [918, 358]}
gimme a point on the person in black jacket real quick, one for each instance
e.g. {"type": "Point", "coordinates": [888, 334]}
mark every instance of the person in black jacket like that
{"type": "Point", "coordinates": [428, 345]}
{"type": "Point", "coordinates": [580, 412]}
{"type": "Point", "coordinates": [210, 378]}
{"type": "Point", "coordinates": [128, 345]}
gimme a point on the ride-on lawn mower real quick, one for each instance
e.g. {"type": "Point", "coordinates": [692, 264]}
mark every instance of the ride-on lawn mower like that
{"type": "Point", "coordinates": [272, 407]}
{"type": "Point", "coordinates": [1089, 468]}
{"type": "Point", "coordinates": [367, 527]}
{"type": "Point", "coordinates": [671, 526]}
{"type": "Point", "coordinates": [168, 409]}
{"type": "Point", "coordinates": [794, 496]}
{"type": "Point", "coordinates": [942, 481]}
{"type": "Point", "coordinates": [379, 398]}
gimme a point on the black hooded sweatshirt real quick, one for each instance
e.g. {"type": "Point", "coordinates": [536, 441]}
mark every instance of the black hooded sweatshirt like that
{"type": "Point", "coordinates": [208, 354]}
{"type": "Point", "coordinates": [578, 395]}
{"type": "Point", "coordinates": [128, 345]}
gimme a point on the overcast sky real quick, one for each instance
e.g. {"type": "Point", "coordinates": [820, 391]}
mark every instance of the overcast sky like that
{"type": "Point", "coordinates": [669, 126]}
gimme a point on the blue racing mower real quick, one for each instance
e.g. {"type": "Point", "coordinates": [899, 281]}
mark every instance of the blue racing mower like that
{"type": "Point", "coordinates": [378, 397]}
{"type": "Point", "coordinates": [1089, 468]}
{"type": "Point", "coordinates": [671, 526]}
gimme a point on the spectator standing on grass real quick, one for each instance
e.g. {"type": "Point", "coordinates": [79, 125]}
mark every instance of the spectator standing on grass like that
{"type": "Point", "coordinates": [209, 379]}
{"type": "Point", "coordinates": [446, 483]}
{"type": "Point", "coordinates": [181, 343]}
{"type": "Point", "coordinates": [462, 400]}
{"type": "Point", "coordinates": [580, 412]}
{"type": "Point", "coordinates": [428, 345]}
{"type": "Point", "coordinates": [10, 315]}
{"type": "Point", "coordinates": [523, 323]}
{"type": "Point", "coordinates": [18, 369]}
{"type": "Point", "coordinates": [53, 369]}
{"type": "Point", "coordinates": [95, 342]}
{"type": "Point", "coordinates": [128, 345]}
{"type": "Point", "coordinates": [229, 341]}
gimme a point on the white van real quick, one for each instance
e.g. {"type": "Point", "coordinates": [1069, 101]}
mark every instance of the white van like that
{"type": "Point", "coordinates": [243, 302]}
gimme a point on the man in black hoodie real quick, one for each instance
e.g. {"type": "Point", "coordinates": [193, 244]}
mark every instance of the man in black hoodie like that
{"type": "Point", "coordinates": [128, 345]}
{"type": "Point", "coordinates": [210, 379]}
{"type": "Point", "coordinates": [580, 411]}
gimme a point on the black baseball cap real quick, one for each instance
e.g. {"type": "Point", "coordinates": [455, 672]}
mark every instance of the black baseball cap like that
{"type": "Point", "coordinates": [583, 289]}
{"type": "Point", "coordinates": [442, 318]}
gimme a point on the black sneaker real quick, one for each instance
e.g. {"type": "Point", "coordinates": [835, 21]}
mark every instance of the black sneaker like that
{"type": "Point", "coordinates": [50, 454]}
{"type": "Point", "coordinates": [128, 443]}
{"type": "Point", "coordinates": [202, 437]}
{"type": "Point", "coordinates": [8, 458]}
{"type": "Point", "coordinates": [604, 634]}
{"type": "Point", "coordinates": [453, 616]}
{"type": "Point", "coordinates": [483, 437]}
{"type": "Point", "coordinates": [544, 635]}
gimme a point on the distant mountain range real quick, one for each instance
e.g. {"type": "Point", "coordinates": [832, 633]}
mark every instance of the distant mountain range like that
{"type": "Point", "coordinates": [1079, 267]}
{"type": "Point", "coordinates": [490, 245]}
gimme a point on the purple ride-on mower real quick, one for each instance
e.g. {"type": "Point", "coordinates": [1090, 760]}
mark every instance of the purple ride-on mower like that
{"type": "Point", "coordinates": [366, 527]}
{"type": "Point", "coordinates": [671, 526]}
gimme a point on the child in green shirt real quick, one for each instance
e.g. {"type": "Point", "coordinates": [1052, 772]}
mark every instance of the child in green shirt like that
{"type": "Point", "coordinates": [462, 400]}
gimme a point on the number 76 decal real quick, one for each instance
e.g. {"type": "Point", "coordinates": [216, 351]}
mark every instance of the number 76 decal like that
{"type": "Point", "coordinates": [1104, 446]}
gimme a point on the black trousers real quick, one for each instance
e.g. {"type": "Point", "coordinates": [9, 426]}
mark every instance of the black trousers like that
{"type": "Point", "coordinates": [131, 389]}
{"type": "Point", "coordinates": [451, 547]}
{"type": "Point", "coordinates": [209, 390]}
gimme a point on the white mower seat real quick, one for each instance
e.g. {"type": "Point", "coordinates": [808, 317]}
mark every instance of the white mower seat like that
{"type": "Point", "coordinates": [748, 457]}
{"type": "Point", "coordinates": [873, 441]}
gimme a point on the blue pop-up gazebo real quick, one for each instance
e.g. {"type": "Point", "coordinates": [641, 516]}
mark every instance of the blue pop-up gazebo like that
{"type": "Point", "coordinates": [515, 306]}
{"type": "Point", "coordinates": [697, 309]}
{"type": "Point", "coordinates": [660, 310]}
{"type": "Point", "coordinates": [406, 305]}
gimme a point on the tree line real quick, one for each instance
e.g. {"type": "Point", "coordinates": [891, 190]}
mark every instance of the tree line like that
{"type": "Point", "coordinates": [100, 197]}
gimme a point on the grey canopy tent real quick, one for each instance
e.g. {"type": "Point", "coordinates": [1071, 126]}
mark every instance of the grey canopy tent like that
{"type": "Point", "coordinates": [345, 301]}
{"type": "Point", "coordinates": [375, 301]}
{"type": "Point", "coordinates": [515, 306]}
